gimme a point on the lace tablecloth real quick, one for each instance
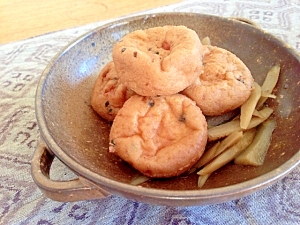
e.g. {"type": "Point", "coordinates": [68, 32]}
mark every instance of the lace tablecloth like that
{"type": "Point", "coordinates": [21, 202]}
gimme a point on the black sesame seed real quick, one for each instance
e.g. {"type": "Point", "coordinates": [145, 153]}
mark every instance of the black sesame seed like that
{"type": "Point", "coordinates": [106, 103]}
{"type": "Point", "coordinates": [123, 49]}
{"type": "Point", "coordinates": [240, 80]}
{"type": "Point", "coordinates": [135, 54]}
{"type": "Point", "coordinates": [151, 103]}
{"type": "Point", "coordinates": [182, 119]}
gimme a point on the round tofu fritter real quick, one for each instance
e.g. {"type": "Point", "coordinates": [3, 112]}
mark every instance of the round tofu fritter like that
{"type": "Point", "coordinates": [158, 61]}
{"type": "Point", "coordinates": [109, 94]}
{"type": "Point", "coordinates": [159, 136]}
{"type": "Point", "coordinates": [224, 85]}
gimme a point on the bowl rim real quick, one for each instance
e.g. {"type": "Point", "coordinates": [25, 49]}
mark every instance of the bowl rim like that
{"type": "Point", "coordinates": [225, 192]}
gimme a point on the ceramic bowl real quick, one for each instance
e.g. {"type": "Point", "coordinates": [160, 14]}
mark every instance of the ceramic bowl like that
{"type": "Point", "coordinates": [76, 135]}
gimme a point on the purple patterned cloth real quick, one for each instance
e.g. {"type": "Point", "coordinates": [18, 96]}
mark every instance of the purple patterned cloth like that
{"type": "Point", "coordinates": [21, 202]}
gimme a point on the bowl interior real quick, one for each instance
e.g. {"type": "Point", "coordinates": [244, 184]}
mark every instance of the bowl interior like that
{"type": "Point", "coordinates": [83, 135]}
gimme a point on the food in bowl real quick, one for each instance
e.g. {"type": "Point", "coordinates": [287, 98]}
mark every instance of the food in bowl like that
{"type": "Point", "coordinates": [109, 94]}
{"type": "Point", "coordinates": [224, 85]}
{"type": "Point", "coordinates": [160, 136]}
{"type": "Point", "coordinates": [132, 146]}
{"type": "Point", "coordinates": [159, 60]}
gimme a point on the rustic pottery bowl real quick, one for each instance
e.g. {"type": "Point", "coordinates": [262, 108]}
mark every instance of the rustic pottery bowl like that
{"type": "Point", "coordinates": [76, 135]}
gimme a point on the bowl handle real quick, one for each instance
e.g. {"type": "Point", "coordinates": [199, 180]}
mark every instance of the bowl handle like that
{"type": "Point", "coordinates": [62, 191]}
{"type": "Point", "coordinates": [245, 20]}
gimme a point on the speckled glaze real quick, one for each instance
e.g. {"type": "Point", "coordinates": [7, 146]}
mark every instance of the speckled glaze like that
{"type": "Point", "coordinates": [75, 134]}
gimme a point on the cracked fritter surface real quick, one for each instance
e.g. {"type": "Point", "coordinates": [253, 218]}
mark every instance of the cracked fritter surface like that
{"type": "Point", "coordinates": [109, 94]}
{"type": "Point", "coordinates": [159, 136]}
{"type": "Point", "coordinates": [224, 85]}
{"type": "Point", "coordinates": [158, 61]}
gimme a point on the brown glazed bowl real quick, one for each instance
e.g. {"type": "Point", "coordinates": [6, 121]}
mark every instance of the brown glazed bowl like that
{"type": "Point", "coordinates": [76, 135]}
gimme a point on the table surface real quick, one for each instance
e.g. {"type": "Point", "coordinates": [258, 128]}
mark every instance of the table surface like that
{"type": "Point", "coordinates": [23, 19]}
{"type": "Point", "coordinates": [22, 60]}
